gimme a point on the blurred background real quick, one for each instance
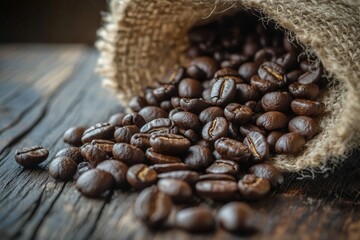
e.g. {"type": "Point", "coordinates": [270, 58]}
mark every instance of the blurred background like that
{"type": "Point", "coordinates": [50, 21]}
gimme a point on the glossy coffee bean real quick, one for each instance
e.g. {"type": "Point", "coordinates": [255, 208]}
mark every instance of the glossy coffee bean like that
{"type": "Point", "coordinates": [255, 106]}
{"type": "Point", "coordinates": [62, 168]}
{"type": "Point", "coordinates": [94, 182]}
{"type": "Point", "coordinates": [151, 100]}
{"type": "Point", "coordinates": [194, 105]}
{"type": "Point", "coordinates": [175, 102]}
{"type": "Point", "coordinates": [258, 146]}
{"type": "Point", "coordinates": [217, 190]}
{"type": "Point", "coordinates": [140, 176]}
{"type": "Point", "coordinates": [235, 216]}
{"type": "Point", "coordinates": [245, 93]}
{"type": "Point", "coordinates": [269, 172]}
{"type": "Point", "coordinates": [237, 113]}
{"type": "Point", "coordinates": [190, 134]}
{"type": "Point", "coordinates": [253, 188]}
{"type": "Point", "coordinates": [31, 156]}
{"type": "Point", "coordinates": [158, 158]}
{"type": "Point", "coordinates": [128, 154]}
{"type": "Point", "coordinates": [93, 154]}
{"type": "Point", "coordinates": [178, 190]}
{"type": "Point", "coordinates": [289, 143]}
{"type": "Point", "coordinates": [311, 76]}
{"type": "Point", "coordinates": [136, 104]}
{"type": "Point", "coordinates": [195, 219]}
{"type": "Point", "coordinates": [133, 119]}
{"type": "Point", "coordinates": [232, 150]}
{"type": "Point", "coordinates": [206, 65]}
{"type": "Point", "coordinates": [152, 206]}
{"type": "Point", "coordinates": [273, 137]}
{"type": "Point", "coordinates": [186, 120]}
{"type": "Point", "coordinates": [190, 88]}
{"type": "Point", "coordinates": [141, 140]}
{"type": "Point", "coordinates": [272, 72]}
{"type": "Point", "coordinates": [116, 119]}
{"type": "Point", "coordinates": [165, 92]}
{"type": "Point", "coordinates": [82, 168]}
{"type": "Point", "coordinates": [210, 113]}
{"type": "Point", "coordinates": [216, 176]}
{"type": "Point", "coordinates": [276, 101]}
{"type": "Point", "coordinates": [169, 144]}
{"type": "Point", "coordinates": [71, 152]}
{"type": "Point", "coordinates": [174, 75]}
{"type": "Point", "coordinates": [223, 91]}
{"type": "Point", "coordinates": [226, 72]}
{"type": "Point", "coordinates": [73, 136]}
{"type": "Point", "coordinates": [174, 111]}
{"type": "Point", "coordinates": [198, 157]}
{"type": "Point", "coordinates": [160, 125]}
{"type": "Point", "coordinates": [248, 128]}
{"type": "Point", "coordinates": [262, 85]}
{"type": "Point", "coordinates": [150, 113]}
{"type": "Point", "coordinates": [272, 120]}
{"type": "Point", "coordinates": [117, 169]}
{"type": "Point", "coordinates": [304, 107]}
{"type": "Point", "coordinates": [247, 70]}
{"type": "Point", "coordinates": [169, 167]}
{"type": "Point", "coordinates": [191, 177]}
{"type": "Point", "coordinates": [223, 167]}
{"type": "Point", "coordinates": [98, 131]}
{"type": "Point", "coordinates": [305, 91]}
{"type": "Point", "coordinates": [215, 129]}
{"type": "Point", "coordinates": [124, 134]}
{"type": "Point", "coordinates": [305, 126]}
{"type": "Point", "coordinates": [105, 145]}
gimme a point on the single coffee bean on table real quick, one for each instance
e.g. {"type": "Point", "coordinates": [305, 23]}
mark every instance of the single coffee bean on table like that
{"type": "Point", "coordinates": [31, 156]}
{"type": "Point", "coordinates": [94, 182]}
{"type": "Point", "coordinates": [140, 176]}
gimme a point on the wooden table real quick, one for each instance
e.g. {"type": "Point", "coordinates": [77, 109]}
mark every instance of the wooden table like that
{"type": "Point", "coordinates": [45, 89]}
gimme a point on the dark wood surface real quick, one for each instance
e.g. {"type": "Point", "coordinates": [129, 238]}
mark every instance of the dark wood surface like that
{"type": "Point", "coordinates": [45, 89]}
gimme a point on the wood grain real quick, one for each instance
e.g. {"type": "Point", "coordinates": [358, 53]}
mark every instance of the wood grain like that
{"type": "Point", "coordinates": [45, 89]}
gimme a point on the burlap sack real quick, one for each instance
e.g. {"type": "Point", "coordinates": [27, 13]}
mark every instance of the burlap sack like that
{"type": "Point", "coordinates": [141, 38]}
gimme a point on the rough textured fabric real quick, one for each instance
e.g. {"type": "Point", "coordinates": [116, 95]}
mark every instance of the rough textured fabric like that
{"type": "Point", "coordinates": [140, 39]}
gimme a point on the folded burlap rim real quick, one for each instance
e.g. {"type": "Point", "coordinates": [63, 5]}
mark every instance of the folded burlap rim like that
{"type": "Point", "coordinates": [141, 39]}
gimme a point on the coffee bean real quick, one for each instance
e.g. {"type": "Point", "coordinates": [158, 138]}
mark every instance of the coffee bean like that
{"type": "Point", "coordinates": [276, 101]}
{"type": "Point", "coordinates": [150, 113]}
{"type": "Point", "coordinates": [140, 176]}
{"type": "Point", "coordinates": [223, 167]}
{"type": "Point", "coordinates": [305, 126]}
{"type": "Point", "coordinates": [198, 157]}
{"type": "Point", "coordinates": [190, 134]}
{"type": "Point", "coordinates": [152, 206]}
{"type": "Point", "coordinates": [160, 125]}
{"type": "Point", "coordinates": [216, 176]}
{"type": "Point", "coordinates": [264, 55]}
{"type": "Point", "coordinates": [136, 104]}
{"type": "Point", "coordinates": [186, 120]}
{"type": "Point", "coordinates": [62, 168]}
{"type": "Point", "coordinates": [232, 150]}
{"type": "Point", "coordinates": [194, 105]}
{"type": "Point", "coordinates": [31, 156]}
{"type": "Point", "coordinates": [289, 143]}
{"type": "Point", "coordinates": [215, 129]}
{"type": "Point", "coordinates": [272, 138]}
{"type": "Point", "coordinates": [169, 143]}
{"type": "Point", "coordinates": [175, 102]}
{"type": "Point", "coordinates": [190, 88]}
{"type": "Point", "coordinates": [151, 100]}
{"type": "Point", "coordinates": [237, 113]}
{"type": "Point", "coordinates": [133, 119]}
{"type": "Point", "coordinates": [93, 154]}
{"type": "Point", "coordinates": [191, 177]}
{"type": "Point", "coordinates": [272, 72]}
{"type": "Point", "coordinates": [269, 172]}
{"type": "Point", "coordinates": [306, 91]}
{"type": "Point", "coordinates": [128, 154]}
{"type": "Point", "coordinates": [226, 72]}
{"type": "Point", "coordinates": [258, 146]}
{"type": "Point", "coordinates": [195, 219]}
{"type": "Point", "coordinates": [253, 188]}
{"type": "Point", "coordinates": [175, 110]}
{"type": "Point", "coordinates": [158, 158]}
{"type": "Point", "coordinates": [311, 76]}
{"type": "Point", "coordinates": [247, 70]}
{"type": "Point", "coordinates": [255, 106]}
{"type": "Point", "coordinates": [304, 107]}
{"type": "Point", "coordinates": [235, 216]}
{"type": "Point", "coordinates": [223, 91]}
{"type": "Point", "coordinates": [210, 113]}
{"type": "Point", "coordinates": [140, 140]}
{"type": "Point", "coordinates": [272, 120]}
{"type": "Point", "coordinates": [94, 182]}
{"type": "Point", "coordinates": [82, 168]}
{"type": "Point", "coordinates": [71, 152]}
{"type": "Point", "coordinates": [116, 119]}
{"type": "Point", "coordinates": [169, 167]}
{"type": "Point", "coordinates": [218, 190]}
{"type": "Point", "coordinates": [105, 145]}
{"type": "Point", "coordinates": [98, 131]}
{"type": "Point", "coordinates": [262, 85]}
{"type": "Point", "coordinates": [178, 190]}
{"type": "Point", "coordinates": [124, 134]}
{"type": "Point", "coordinates": [195, 72]}
{"type": "Point", "coordinates": [117, 169]}
{"type": "Point", "coordinates": [206, 65]}
{"type": "Point", "coordinates": [174, 75]}
{"type": "Point", "coordinates": [245, 93]}
{"type": "Point", "coordinates": [248, 128]}
{"type": "Point", "coordinates": [165, 92]}
{"type": "Point", "coordinates": [73, 136]}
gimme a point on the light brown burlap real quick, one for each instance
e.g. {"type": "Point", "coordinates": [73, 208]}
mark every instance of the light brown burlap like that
{"type": "Point", "coordinates": [141, 38]}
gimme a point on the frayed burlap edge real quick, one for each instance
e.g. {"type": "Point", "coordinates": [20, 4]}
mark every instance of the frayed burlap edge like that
{"type": "Point", "coordinates": [141, 39]}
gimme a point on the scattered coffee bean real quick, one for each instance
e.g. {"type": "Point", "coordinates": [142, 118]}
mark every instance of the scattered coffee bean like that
{"type": "Point", "coordinates": [233, 150]}
{"type": "Point", "coordinates": [136, 104]}
{"type": "Point", "coordinates": [272, 139]}
{"type": "Point", "coordinates": [276, 101]}
{"type": "Point", "coordinates": [98, 131]}
{"type": "Point", "coordinates": [289, 143]}
{"type": "Point", "coordinates": [93, 154]}
{"type": "Point", "coordinates": [253, 188]}
{"type": "Point", "coordinates": [72, 152]}
{"type": "Point", "coordinates": [128, 154]}
{"type": "Point", "coordinates": [116, 119]}
{"type": "Point", "coordinates": [190, 88]}
{"type": "Point", "coordinates": [210, 113]}
{"type": "Point", "coordinates": [186, 120]}
{"type": "Point", "coordinates": [158, 158]}
{"type": "Point", "coordinates": [224, 167]}
{"type": "Point", "coordinates": [94, 182]}
{"type": "Point", "coordinates": [262, 85]}
{"type": "Point", "coordinates": [304, 107]}
{"type": "Point", "coordinates": [31, 156]}
{"type": "Point", "coordinates": [141, 140]}
{"type": "Point", "coordinates": [164, 92]}
{"type": "Point", "coordinates": [150, 113]}
{"type": "Point", "coordinates": [194, 105]}
{"type": "Point", "coordinates": [248, 128]}
{"type": "Point", "coordinates": [235, 216]}
{"type": "Point", "coordinates": [272, 120]}
{"type": "Point", "coordinates": [223, 91]}
{"type": "Point", "coordinates": [195, 219]}
{"type": "Point", "coordinates": [305, 126]}
{"type": "Point", "coordinates": [215, 129]}
{"type": "Point", "coordinates": [62, 168]}
{"type": "Point", "coordinates": [190, 134]}
{"type": "Point", "coordinates": [272, 72]}
{"type": "Point", "coordinates": [198, 157]}
{"type": "Point", "coordinates": [174, 75]}
{"type": "Point", "coordinates": [169, 167]}
{"type": "Point", "coordinates": [258, 146]}
{"type": "Point", "coordinates": [140, 176]}
{"type": "Point", "coordinates": [237, 113]}
{"type": "Point", "coordinates": [178, 190]}
{"type": "Point", "coordinates": [73, 136]}
{"type": "Point", "coordinates": [269, 172]}
{"type": "Point", "coordinates": [171, 144]}
{"type": "Point", "coordinates": [160, 125]}
{"type": "Point", "coordinates": [83, 167]}
{"type": "Point", "coordinates": [105, 145]}
{"type": "Point", "coordinates": [117, 169]}
{"type": "Point", "coordinates": [206, 65]}
{"type": "Point", "coordinates": [247, 70]}
{"type": "Point", "coordinates": [245, 93]}
{"type": "Point", "coordinates": [305, 91]}
{"type": "Point", "coordinates": [133, 119]}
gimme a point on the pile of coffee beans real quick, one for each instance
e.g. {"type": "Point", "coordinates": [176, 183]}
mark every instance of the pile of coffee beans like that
{"type": "Point", "coordinates": [204, 133]}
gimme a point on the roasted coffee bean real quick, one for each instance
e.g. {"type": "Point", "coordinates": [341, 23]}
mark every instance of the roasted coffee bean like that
{"type": "Point", "coordinates": [150, 113]}
{"type": "Point", "coordinates": [62, 168]}
{"type": "Point", "coordinates": [195, 72]}
{"type": "Point", "coordinates": [175, 110]}
{"type": "Point", "coordinates": [166, 105]}
{"type": "Point", "coordinates": [140, 176]}
{"type": "Point", "coordinates": [152, 206]}
{"type": "Point", "coordinates": [190, 88]}
{"type": "Point", "coordinates": [98, 131]}
{"type": "Point", "coordinates": [272, 72]}
{"type": "Point", "coordinates": [190, 134]}
{"type": "Point", "coordinates": [272, 120]}
{"type": "Point", "coordinates": [94, 182]}
{"type": "Point", "coordinates": [245, 93]}
{"type": "Point", "coordinates": [186, 120]}
{"type": "Point", "coordinates": [178, 190]}
{"type": "Point", "coordinates": [93, 154]}
{"type": "Point", "coordinates": [83, 167]}
{"type": "Point", "coordinates": [136, 104]}
{"type": "Point", "coordinates": [105, 145]}
{"type": "Point", "coordinates": [215, 129]}
{"type": "Point", "coordinates": [237, 113]}
{"type": "Point", "coordinates": [194, 105]}
{"type": "Point", "coordinates": [311, 76]}
{"type": "Point", "coordinates": [223, 167]}
{"type": "Point", "coordinates": [248, 128]}
{"type": "Point", "coordinates": [158, 158]}
{"type": "Point", "coordinates": [195, 219]}
{"type": "Point", "coordinates": [204, 64]}
{"type": "Point", "coordinates": [140, 140]}
{"type": "Point", "coordinates": [169, 143]}
{"type": "Point", "coordinates": [253, 188]}
{"type": "Point", "coordinates": [174, 75]}
{"type": "Point", "coordinates": [198, 157]}
{"type": "Point", "coordinates": [305, 126]}
{"type": "Point", "coordinates": [210, 113]}
{"type": "Point", "coordinates": [306, 91]}
{"type": "Point", "coordinates": [255, 106]}
{"type": "Point", "coordinates": [232, 150]}
{"type": "Point", "coordinates": [264, 55]}
{"type": "Point", "coordinates": [128, 154]}
{"type": "Point", "coordinates": [276, 101]}
{"type": "Point", "coordinates": [289, 143]}
{"type": "Point", "coordinates": [72, 152]}
{"type": "Point", "coordinates": [31, 156]}
{"type": "Point", "coordinates": [223, 91]}
{"type": "Point", "coordinates": [116, 119]}
{"type": "Point", "coordinates": [160, 125]}
{"type": "Point", "coordinates": [124, 134]}
{"type": "Point", "coordinates": [218, 190]}
{"type": "Point", "coordinates": [235, 216]}
{"type": "Point", "coordinates": [73, 136]}
{"type": "Point", "coordinates": [164, 92]}
{"type": "Point", "coordinates": [262, 85]}
{"type": "Point", "coordinates": [272, 138]}
{"type": "Point", "coordinates": [133, 119]}
{"type": "Point", "coordinates": [304, 107]}
{"type": "Point", "coordinates": [117, 169]}
{"type": "Point", "coordinates": [226, 72]}
{"type": "Point", "coordinates": [191, 177]}
{"type": "Point", "coordinates": [269, 172]}
{"type": "Point", "coordinates": [169, 167]}
{"type": "Point", "coordinates": [175, 102]}
{"type": "Point", "coordinates": [287, 60]}
{"type": "Point", "coordinates": [258, 146]}
{"type": "Point", "coordinates": [216, 176]}
{"type": "Point", "coordinates": [247, 70]}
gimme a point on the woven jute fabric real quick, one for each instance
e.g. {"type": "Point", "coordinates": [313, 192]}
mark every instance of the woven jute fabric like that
{"type": "Point", "coordinates": [141, 39]}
